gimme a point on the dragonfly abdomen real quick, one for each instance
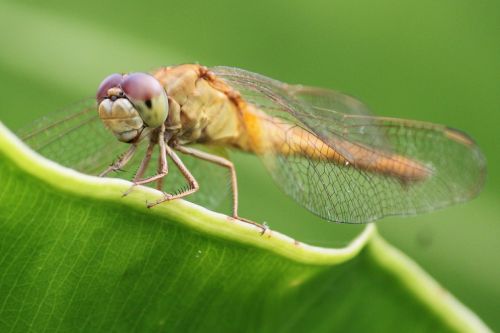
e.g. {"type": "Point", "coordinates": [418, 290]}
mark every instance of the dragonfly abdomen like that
{"type": "Point", "coordinates": [270, 135]}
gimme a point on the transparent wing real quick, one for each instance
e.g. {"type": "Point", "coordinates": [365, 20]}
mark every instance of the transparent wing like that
{"type": "Point", "coordinates": [349, 166]}
{"type": "Point", "coordinates": [331, 104]}
{"type": "Point", "coordinates": [323, 99]}
{"type": "Point", "coordinates": [75, 137]}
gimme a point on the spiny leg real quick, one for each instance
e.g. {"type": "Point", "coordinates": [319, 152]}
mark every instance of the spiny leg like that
{"type": "Point", "coordinates": [120, 162]}
{"type": "Point", "coordinates": [193, 184]}
{"type": "Point", "coordinates": [145, 162]}
{"type": "Point", "coordinates": [219, 161]}
{"type": "Point", "coordinates": [143, 167]}
{"type": "Point", "coordinates": [163, 169]}
{"type": "Point", "coordinates": [234, 182]}
{"type": "Point", "coordinates": [159, 181]}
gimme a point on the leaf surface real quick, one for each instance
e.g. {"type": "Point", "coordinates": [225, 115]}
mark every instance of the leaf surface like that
{"type": "Point", "coordinates": [76, 256]}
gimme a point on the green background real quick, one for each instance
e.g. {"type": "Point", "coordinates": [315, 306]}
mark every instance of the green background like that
{"type": "Point", "coordinates": [426, 60]}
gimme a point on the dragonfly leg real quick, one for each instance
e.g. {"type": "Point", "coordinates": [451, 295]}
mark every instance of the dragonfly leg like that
{"type": "Point", "coordinates": [162, 163]}
{"type": "Point", "coordinates": [234, 182]}
{"type": "Point", "coordinates": [120, 162]}
{"type": "Point", "coordinates": [145, 162]}
{"type": "Point", "coordinates": [159, 181]}
{"type": "Point", "coordinates": [192, 183]}
{"type": "Point", "coordinates": [142, 168]}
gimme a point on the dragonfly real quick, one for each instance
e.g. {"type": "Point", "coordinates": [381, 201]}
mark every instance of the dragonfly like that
{"type": "Point", "coordinates": [323, 148]}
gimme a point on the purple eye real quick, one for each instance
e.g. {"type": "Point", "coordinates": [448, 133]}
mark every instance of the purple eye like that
{"type": "Point", "coordinates": [141, 87]}
{"type": "Point", "coordinates": [148, 97]}
{"type": "Point", "coordinates": [109, 82]}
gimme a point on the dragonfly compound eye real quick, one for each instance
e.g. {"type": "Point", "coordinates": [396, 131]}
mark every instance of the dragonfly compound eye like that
{"type": "Point", "coordinates": [109, 82]}
{"type": "Point", "coordinates": [148, 97]}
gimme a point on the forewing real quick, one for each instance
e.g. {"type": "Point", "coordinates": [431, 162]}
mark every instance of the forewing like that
{"type": "Point", "coordinates": [321, 104]}
{"type": "Point", "coordinates": [355, 191]}
{"type": "Point", "coordinates": [75, 137]}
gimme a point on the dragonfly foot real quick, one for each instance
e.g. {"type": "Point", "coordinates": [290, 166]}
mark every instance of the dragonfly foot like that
{"type": "Point", "coordinates": [166, 197]}
{"type": "Point", "coordinates": [264, 227]}
{"type": "Point", "coordinates": [111, 168]}
{"type": "Point", "coordinates": [127, 192]}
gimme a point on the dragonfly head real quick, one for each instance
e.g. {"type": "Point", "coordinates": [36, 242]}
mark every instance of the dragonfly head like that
{"type": "Point", "coordinates": [130, 102]}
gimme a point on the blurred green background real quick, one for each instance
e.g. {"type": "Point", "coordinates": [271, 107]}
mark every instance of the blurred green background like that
{"type": "Point", "coordinates": [429, 60]}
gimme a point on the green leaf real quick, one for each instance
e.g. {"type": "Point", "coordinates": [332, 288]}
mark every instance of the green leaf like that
{"type": "Point", "coordinates": [77, 256]}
